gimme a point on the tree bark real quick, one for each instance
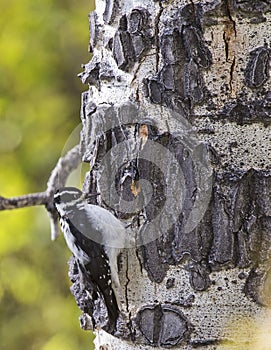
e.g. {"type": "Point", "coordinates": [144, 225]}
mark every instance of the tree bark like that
{"type": "Point", "coordinates": [176, 128]}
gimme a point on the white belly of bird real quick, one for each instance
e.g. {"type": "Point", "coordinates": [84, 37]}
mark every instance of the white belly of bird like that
{"type": "Point", "coordinates": [70, 240]}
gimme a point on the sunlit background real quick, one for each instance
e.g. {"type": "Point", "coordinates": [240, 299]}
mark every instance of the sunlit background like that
{"type": "Point", "coordinates": [43, 44]}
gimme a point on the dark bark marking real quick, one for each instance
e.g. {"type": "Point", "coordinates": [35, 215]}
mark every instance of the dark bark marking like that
{"type": "Point", "coordinates": [132, 38]}
{"type": "Point", "coordinates": [248, 111]}
{"type": "Point", "coordinates": [163, 325]}
{"type": "Point", "coordinates": [94, 30]}
{"type": "Point", "coordinates": [195, 47]}
{"type": "Point", "coordinates": [257, 70]}
{"type": "Point", "coordinates": [185, 54]}
{"type": "Point", "coordinates": [111, 9]}
{"type": "Point", "coordinates": [252, 8]}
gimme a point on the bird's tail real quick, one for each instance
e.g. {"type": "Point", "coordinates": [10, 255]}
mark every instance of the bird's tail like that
{"type": "Point", "coordinates": [107, 294]}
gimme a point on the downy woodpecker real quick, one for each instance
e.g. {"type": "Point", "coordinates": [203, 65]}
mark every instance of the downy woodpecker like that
{"type": "Point", "coordinates": [95, 237]}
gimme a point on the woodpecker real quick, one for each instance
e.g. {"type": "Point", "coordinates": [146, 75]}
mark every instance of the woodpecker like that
{"type": "Point", "coordinates": [95, 237]}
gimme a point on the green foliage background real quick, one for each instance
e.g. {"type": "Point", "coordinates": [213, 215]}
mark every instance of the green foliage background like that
{"type": "Point", "coordinates": [42, 45]}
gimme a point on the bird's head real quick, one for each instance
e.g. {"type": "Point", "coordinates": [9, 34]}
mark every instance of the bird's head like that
{"type": "Point", "coordinates": [67, 197]}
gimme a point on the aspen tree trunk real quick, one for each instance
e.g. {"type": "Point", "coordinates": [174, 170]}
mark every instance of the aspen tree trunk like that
{"type": "Point", "coordinates": [176, 128]}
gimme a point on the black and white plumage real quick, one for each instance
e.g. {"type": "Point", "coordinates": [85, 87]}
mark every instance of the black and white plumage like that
{"type": "Point", "coordinates": [95, 237]}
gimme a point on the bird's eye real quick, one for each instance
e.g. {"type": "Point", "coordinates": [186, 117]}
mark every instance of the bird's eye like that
{"type": "Point", "coordinates": [67, 195]}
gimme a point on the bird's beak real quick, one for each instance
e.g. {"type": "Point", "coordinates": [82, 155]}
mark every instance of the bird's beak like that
{"type": "Point", "coordinates": [89, 195]}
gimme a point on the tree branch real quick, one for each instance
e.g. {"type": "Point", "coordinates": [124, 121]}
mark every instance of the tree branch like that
{"type": "Point", "coordinates": [26, 200]}
{"type": "Point", "coordinates": [63, 168]}
{"type": "Point", "coordinates": [57, 179]}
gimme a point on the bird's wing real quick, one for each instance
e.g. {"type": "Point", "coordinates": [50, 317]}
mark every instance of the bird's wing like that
{"type": "Point", "coordinates": [101, 226]}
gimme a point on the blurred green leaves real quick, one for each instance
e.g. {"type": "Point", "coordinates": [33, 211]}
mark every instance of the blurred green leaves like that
{"type": "Point", "coordinates": [42, 45]}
